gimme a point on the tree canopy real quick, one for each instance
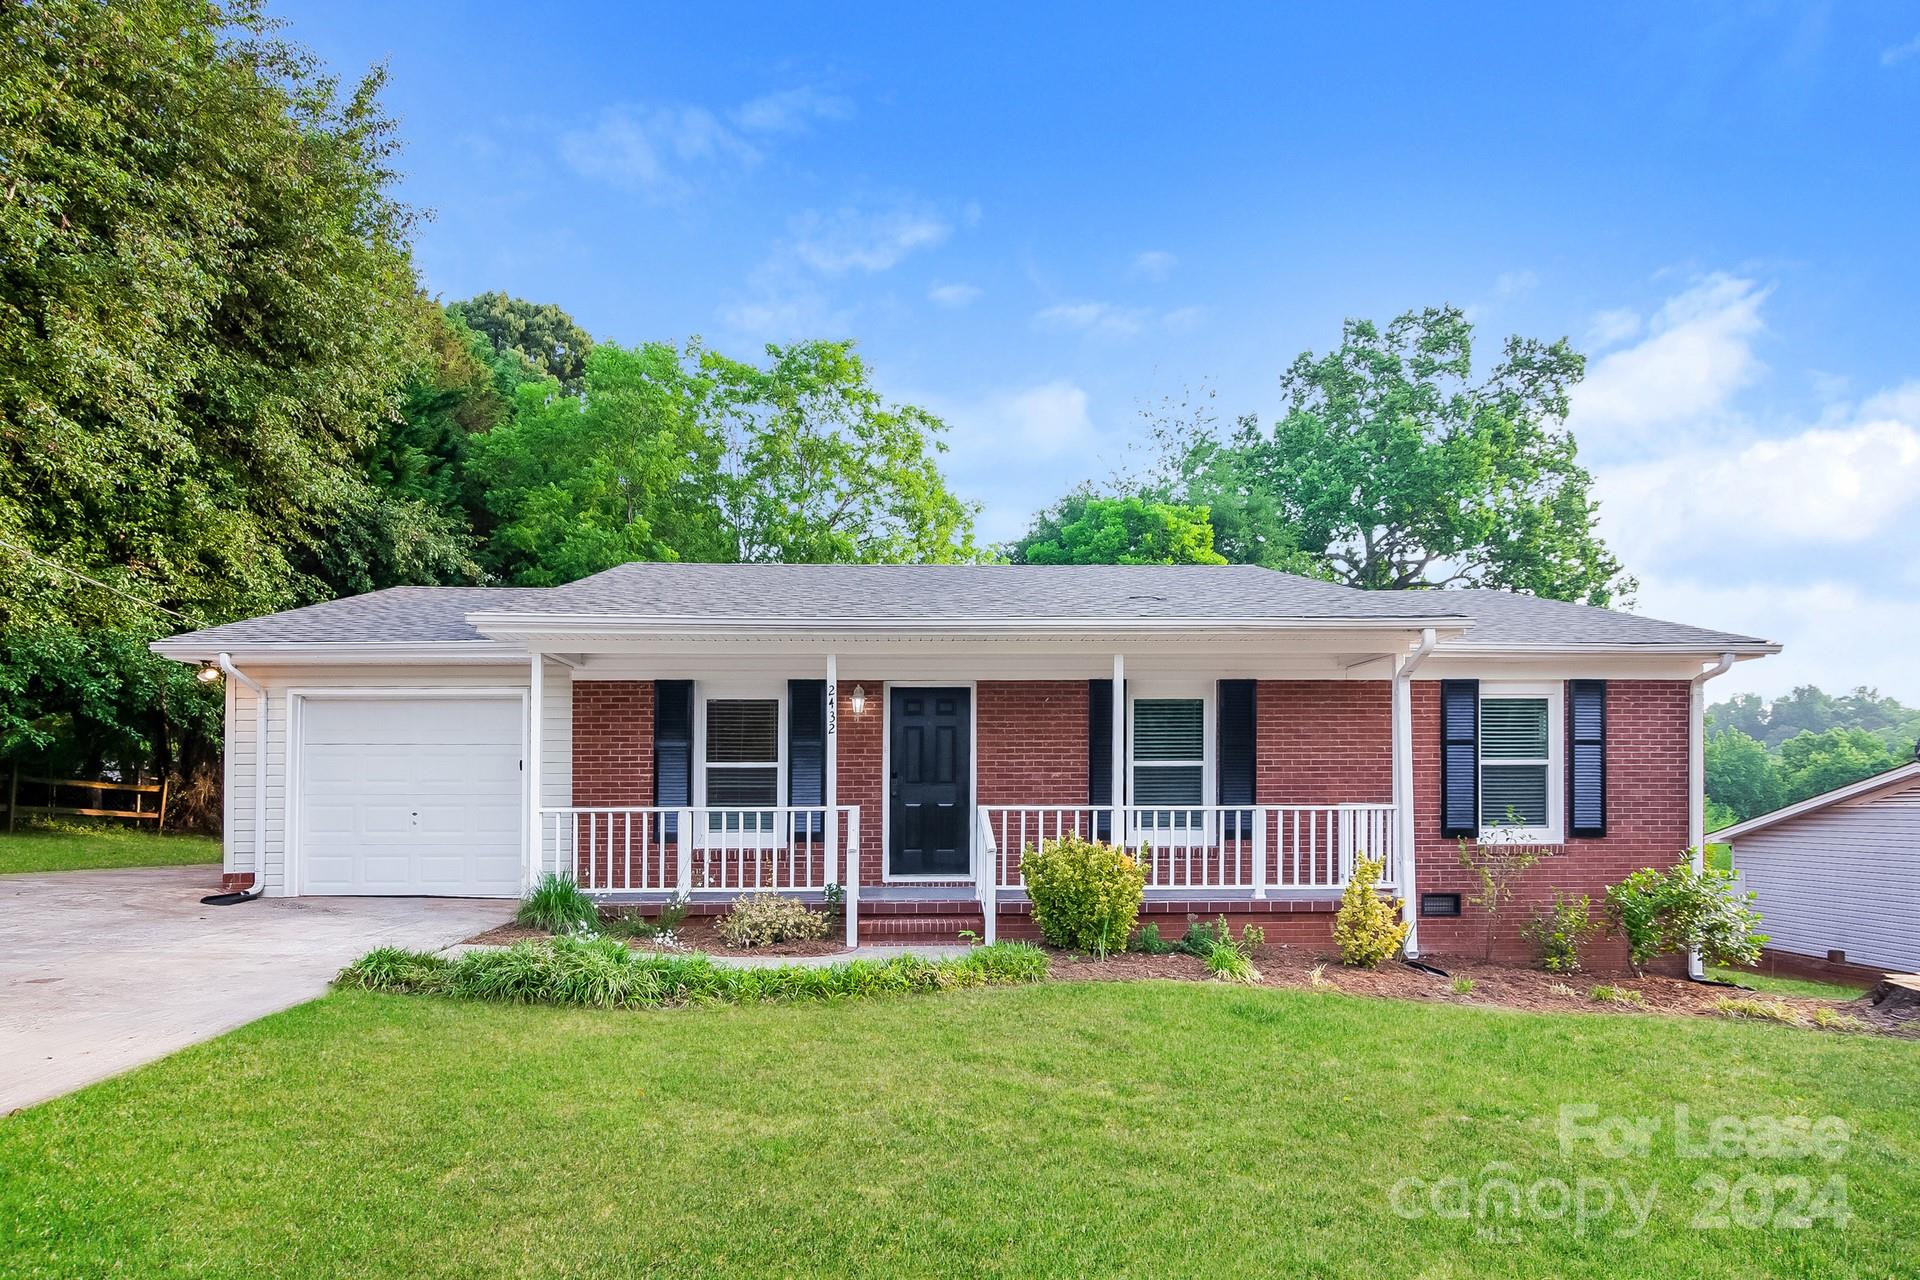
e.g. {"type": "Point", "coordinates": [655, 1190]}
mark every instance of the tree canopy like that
{"type": "Point", "coordinates": [1394, 467]}
{"type": "Point", "coordinates": [1084, 528]}
{"type": "Point", "coordinates": [539, 332]}
{"type": "Point", "coordinates": [1762, 756]}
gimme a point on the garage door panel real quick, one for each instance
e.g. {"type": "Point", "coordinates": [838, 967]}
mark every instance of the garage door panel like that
{"type": "Point", "coordinates": [412, 796]}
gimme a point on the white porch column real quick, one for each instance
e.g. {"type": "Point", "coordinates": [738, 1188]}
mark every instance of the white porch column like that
{"type": "Point", "coordinates": [1119, 748]}
{"type": "Point", "coordinates": [1697, 780]}
{"type": "Point", "coordinates": [832, 793]}
{"type": "Point", "coordinates": [536, 670]}
{"type": "Point", "coordinates": [1403, 801]}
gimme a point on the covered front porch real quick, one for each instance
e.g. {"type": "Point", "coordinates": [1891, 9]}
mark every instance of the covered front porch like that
{"type": "Point", "coordinates": [904, 775]}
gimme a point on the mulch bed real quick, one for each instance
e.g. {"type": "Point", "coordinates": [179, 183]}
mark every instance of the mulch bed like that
{"type": "Point", "coordinates": [1494, 985]}
{"type": "Point", "coordinates": [695, 933]}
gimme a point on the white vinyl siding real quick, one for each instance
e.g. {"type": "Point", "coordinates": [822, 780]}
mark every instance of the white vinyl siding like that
{"type": "Point", "coordinates": [1844, 878]}
{"type": "Point", "coordinates": [1521, 732]}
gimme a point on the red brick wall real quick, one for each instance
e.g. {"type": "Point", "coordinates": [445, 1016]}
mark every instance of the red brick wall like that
{"type": "Point", "coordinates": [860, 783]}
{"type": "Point", "coordinates": [1646, 822]}
{"type": "Point", "coordinates": [613, 742]}
{"type": "Point", "coordinates": [1033, 742]}
{"type": "Point", "coordinates": [1324, 742]}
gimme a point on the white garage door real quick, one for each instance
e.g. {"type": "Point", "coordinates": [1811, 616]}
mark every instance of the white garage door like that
{"type": "Point", "coordinates": [411, 796]}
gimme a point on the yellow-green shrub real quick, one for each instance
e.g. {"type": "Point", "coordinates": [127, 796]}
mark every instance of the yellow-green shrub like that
{"type": "Point", "coordinates": [1085, 893]}
{"type": "Point", "coordinates": [1368, 927]}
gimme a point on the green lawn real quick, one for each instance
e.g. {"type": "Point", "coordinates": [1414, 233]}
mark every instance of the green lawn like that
{"type": "Point", "coordinates": [1065, 1129]}
{"type": "Point", "coordinates": [75, 847]}
{"type": "Point", "coordinates": [1787, 986]}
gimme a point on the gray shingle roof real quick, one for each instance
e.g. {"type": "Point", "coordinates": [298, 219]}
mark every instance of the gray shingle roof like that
{"type": "Point", "coordinates": [909, 593]}
{"type": "Point", "coordinates": [729, 592]}
{"type": "Point", "coordinates": [395, 615]}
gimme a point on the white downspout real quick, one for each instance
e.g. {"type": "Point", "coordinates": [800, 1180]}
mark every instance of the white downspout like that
{"type": "Point", "coordinates": [1403, 785]}
{"type": "Point", "coordinates": [1697, 780]}
{"type": "Point", "coordinates": [225, 661]}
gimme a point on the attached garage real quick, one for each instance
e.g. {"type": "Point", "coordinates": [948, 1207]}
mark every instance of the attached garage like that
{"type": "Point", "coordinates": [417, 795]}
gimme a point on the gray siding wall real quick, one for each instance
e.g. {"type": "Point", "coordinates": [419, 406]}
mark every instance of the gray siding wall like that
{"type": "Point", "coordinates": [1844, 878]}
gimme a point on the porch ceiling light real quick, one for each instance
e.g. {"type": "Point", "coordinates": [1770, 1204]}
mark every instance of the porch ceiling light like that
{"type": "Point", "coordinates": [208, 672]}
{"type": "Point", "coordinates": [859, 700]}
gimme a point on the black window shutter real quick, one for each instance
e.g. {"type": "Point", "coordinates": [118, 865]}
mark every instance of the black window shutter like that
{"type": "Point", "coordinates": [1587, 757]}
{"type": "Point", "coordinates": [1459, 758]}
{"type": "Point", "coordinates": [1100, 751]}
{"type": "Point", "coordinates": [807, 746]}
{"type": "Point", "coordinates": [672, 745]}
{"type": "Point", "coordinates": [1235, 730]}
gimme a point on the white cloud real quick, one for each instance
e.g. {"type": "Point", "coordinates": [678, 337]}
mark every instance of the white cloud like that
{"type": "Point", "coordinates": [1514, 284]}
{"type": "Point", "coordinates": [655, 151]}
{"type": "Point", "coordinates": [1102, 318]}
{"type": "Point", "coordinates": [1612, 327]}
{"type": "Point", "coordinates": [1825, 486]}
{"type": "Point", "coordinates": [853, 239]}
{"type": "Point", "coordinates": [1044, 423]}
{"type": "Point", "coordinates": [953, 296]}
{"type": "Point", "coordinates": [1834, 634]}
{"type": "Point", "coordinates": [1698, 353]}
{"type": "Point", "coordinates": [1900, 52]}
{"type": "Point", "coordinates": [1183, 319]}
{"type": "Point", "coordinates": [790, 111]}
{"type": "Point", "coordinates": [665, 151]}
{"type": "Point", "coordinates": [1154, 264]}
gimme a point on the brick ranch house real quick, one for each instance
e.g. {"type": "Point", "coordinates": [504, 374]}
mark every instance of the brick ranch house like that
{"type": "Point", "coordinates": [903, 732]}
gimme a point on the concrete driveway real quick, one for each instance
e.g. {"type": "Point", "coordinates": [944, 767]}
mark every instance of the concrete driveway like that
{"type": "Point", "coordinates": [104, 970]}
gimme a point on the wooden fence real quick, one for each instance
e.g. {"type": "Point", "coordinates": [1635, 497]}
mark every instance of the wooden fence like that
{"type": "Point", "coordinates": [95, 789]}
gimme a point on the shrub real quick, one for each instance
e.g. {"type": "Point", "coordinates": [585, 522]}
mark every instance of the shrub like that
{"type": "Point", "coordinates": [1463, 985]}
{"type": "Point", "coordinates": [1764, 1010]}
{"type": "Point", "coordinates": [1317, 976]}
{"type": "Point", "coordinates": [1200, 937]}
{"type": "Point", "coordinates": [1148, 942]}
{"type": "Point", "coordinates": [765, 919]}
{"type": "Point", "coordinates": [556, 905]}
{"type": "Point", "coordinates": [1617, 995]}
{"type": "Point", "coordinates": [602, 973]}
{"type": "Point", "coordinates": [1558, 932]}
{"type": "Point", "coordinates": [1680, 910]}
{"type": "Point", "coordinates": [1368, 928]}
{"type": "Point", "coordinates": [1497, 864]}
{"type": "Point", "coordinates": [1086, 894]}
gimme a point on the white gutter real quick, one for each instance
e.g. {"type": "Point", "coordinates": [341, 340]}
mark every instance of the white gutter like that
{"type": "Point", "coordinates": [1403, 784]}
{"type": "Point", "coordinates": [259, 771]}
{"type": "Point", "coordinates": [1697, 779]}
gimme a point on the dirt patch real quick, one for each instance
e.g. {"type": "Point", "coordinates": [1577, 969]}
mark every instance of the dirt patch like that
{"type": "Point", "coordinates": [1493, 985]}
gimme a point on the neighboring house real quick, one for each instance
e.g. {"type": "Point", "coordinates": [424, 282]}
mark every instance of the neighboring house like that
{"type": "Point", "coordinates": [1838, 876]}
{"type": "Point", "coordinates": [905, 731]}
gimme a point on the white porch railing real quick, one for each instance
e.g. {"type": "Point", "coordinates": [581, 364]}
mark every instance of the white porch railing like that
{"type": "Point", "coordinates": [695, 851]}
{"type": "Point", "coordinates": [1256, 848]}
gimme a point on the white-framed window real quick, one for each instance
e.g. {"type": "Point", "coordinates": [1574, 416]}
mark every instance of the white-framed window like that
{"type": "Point", "coordinates": [1521, 771]}
{"type": "Point", "coordinates": [1169, 758]}
{"type": "Point", "coordinates": [741, 745]}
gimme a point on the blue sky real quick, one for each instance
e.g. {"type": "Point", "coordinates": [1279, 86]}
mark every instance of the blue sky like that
{"type": "Point", "coordinates": [1043, 223]}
